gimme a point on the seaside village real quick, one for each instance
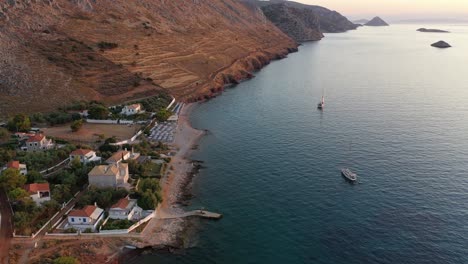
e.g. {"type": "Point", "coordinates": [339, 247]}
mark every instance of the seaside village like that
{"type": "Point", "coordinates": [87, 168]}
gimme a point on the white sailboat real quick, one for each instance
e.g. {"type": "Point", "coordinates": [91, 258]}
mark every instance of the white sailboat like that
{"type": "Point", "coordinates": [321, 105]}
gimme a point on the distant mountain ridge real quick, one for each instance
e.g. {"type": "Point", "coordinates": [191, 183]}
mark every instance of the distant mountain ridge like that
{"type": "Point", "coordinates": [303, 22]}
{"type": "Point", "coordinates": [376, 22]}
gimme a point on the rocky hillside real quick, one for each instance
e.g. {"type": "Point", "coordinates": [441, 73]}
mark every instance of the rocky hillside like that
{"type": "Point", "coordinates": [299, 23]}
{"type": "Point", "coordinates": [307, 18]}
{"type": "Point", "coordinates": [55, 51]}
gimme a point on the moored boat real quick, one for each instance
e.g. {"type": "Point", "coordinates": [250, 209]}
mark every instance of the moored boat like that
{"type": "Point", "coordinates": [349, 175]}
{"type": "Point", "coordinates": [321, 105]}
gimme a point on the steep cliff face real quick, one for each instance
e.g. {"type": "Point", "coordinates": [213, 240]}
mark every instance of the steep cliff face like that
{"type": "Point", "coordinates": [286, 14]}
{"type": "Point", "coordinates": [299, 23]}
{"type": "Point", "coordinates": [55, 51]}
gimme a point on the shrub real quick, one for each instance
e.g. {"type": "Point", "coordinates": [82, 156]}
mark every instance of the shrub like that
{"type": "Point", "coordinates": [107, 45]}
{"type": "Point", "coordinates": [19, 122]}
{"type": "Point", "coordinates": [66, 260]}
{"type": "Point", "coordinates": [98, 111]}
{"type": "Point", "coordinates": [76, 125]}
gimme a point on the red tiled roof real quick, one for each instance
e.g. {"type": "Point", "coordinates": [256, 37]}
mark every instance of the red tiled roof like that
{"type": "Point", "coordinates": [118, 156]}
{"type": "Point", "coordinates": [85, 212]}
{"type": "Point", "coordinates": [133, 106]}
{"type": "Point", "coordinates": [36, 138]}
{"type": "Point", "coordinates": [14, 164]}
{"type": "Point", "coordinates": [122, 203]}
{"type": "Point", "coordinates": [80, 152]}
{"type": "Point", "coordinates": [35, 187]}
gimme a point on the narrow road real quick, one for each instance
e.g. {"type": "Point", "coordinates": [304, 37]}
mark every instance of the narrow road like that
{"type": "Point", "coordinates": [6, 231]}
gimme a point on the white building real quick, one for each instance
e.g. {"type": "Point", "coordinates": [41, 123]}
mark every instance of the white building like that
{"type": "Point", "coordinates": [14, 164]}
{"type": "Point", "coordinates": [114, 175]}
{"type": "Point", "coordinates": [39, 192]}
{"type": "Point", "coordinates": [38, 142]}
{"type": "Point", "coordinates": [85, 218]}
{"type": "Point", "coordinates": [126, 208]}
{"type": "Point", "coordinates": [84, 155]}
{"type": "Point", "coordinates": [131, 109]}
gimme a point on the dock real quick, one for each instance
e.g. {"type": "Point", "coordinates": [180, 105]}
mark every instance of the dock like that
{"type": "Point", "coordinates": [204, 214]}
{"type": "Point", "coordinates": [198, 213]}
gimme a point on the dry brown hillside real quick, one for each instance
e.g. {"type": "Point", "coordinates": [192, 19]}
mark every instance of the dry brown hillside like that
{"type": "Point", "coordinates": [50, 52]}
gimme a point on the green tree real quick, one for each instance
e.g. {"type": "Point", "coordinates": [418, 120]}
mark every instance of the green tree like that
{"type": "Point", "coordinates": [98, 112]}
{"type": "Point", "coordinates": [3, 133]}
{"type": "Point", "coordinates": [11, 179]}
{"type": "Point", "coordinates": [34, 177]}
{"type": "Point", "coordinates": [18, 194]}
{"type": "Point", "coordinates": [76, 125]}
{"type": "Point", "coordinates": [62, 193]}
{"type": "Point", "coordinates": [6, 155]}
{"type": "Point", "coordinates": [148, 184]}
{"type": "Point", "coordinates": [19, 122]}
{"type": "Point", "coordinates": [76, 164]}
{"type": "Point", "coordinates": [66, 260]}
{"type": "Point", "coordinates": [148, 201]}
{"type": "Point", "coordinates": [163, 114]}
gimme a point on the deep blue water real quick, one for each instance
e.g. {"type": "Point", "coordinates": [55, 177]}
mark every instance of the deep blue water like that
{"type": "Point", "coordinates": [396, 113]}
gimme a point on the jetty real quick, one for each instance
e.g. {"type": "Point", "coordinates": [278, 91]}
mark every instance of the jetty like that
{"type": "Point", "coordinates": [198, 213]}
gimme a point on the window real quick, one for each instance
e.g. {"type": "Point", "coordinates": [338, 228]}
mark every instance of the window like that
{"type": "Point", "coordinates": [73, 219]}
{"type": "Point", "coordinates": [84, 220]}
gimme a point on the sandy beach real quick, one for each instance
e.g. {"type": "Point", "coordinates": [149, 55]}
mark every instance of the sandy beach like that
{"type": "Point", "coordinates": [166, 232]}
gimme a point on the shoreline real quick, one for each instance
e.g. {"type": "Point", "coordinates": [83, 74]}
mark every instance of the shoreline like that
{"type": "Point", "coordinates": [167, 233]}
{"type": "Point", "coordinates": [181, 166]}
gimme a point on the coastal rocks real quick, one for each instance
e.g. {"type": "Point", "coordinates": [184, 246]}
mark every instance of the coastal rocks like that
{"type": "Point", "coordinates": [239, 70]}
{"type": "Point", "coordinates": [441, 44]}
{"type": "Point", "coordinates": [376, 22]}
{"type": "Point", "coordinates": [431, 30]}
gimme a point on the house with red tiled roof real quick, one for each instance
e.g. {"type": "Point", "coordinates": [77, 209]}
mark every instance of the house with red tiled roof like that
{"type": "Point", "coordinates": [131, 109]}
{"type": "Point", "coordinates": [87, 217]}
{"type": "Point", "coordinates": [14, 164]}
{"type": "Point", "coordinates": [84, 155]}
{"type": "Point", "coordinates": [125, 208]}
{"type": "Point", "coordinates": [122, 155]}
{"type": "Point", "coordinates": [38, 142]}
{"type": "Point", "coordinates": [39, 192]}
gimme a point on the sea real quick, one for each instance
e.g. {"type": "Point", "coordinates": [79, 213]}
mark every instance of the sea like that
{"type": "Point", "coordinates": [396, 113]}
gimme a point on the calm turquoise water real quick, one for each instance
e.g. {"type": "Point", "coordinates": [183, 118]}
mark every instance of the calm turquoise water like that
{"type": "Point", "coordinates": [396, 113]}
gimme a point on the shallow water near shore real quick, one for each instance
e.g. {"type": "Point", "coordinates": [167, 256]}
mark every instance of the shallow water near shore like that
{"type": "Point", "coordinates": [396, 113]}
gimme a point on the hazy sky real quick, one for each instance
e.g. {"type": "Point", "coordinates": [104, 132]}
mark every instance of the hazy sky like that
{"type": "Point", "coordinates": [396, 9]}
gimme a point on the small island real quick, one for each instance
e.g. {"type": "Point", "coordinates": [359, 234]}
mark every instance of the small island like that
{"type": "Point", "coordinates": [431, 30]}
{"type": "Point", "coordinates": [376, 22]}
{"type": "Point", "coordinates": [441, 44]}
